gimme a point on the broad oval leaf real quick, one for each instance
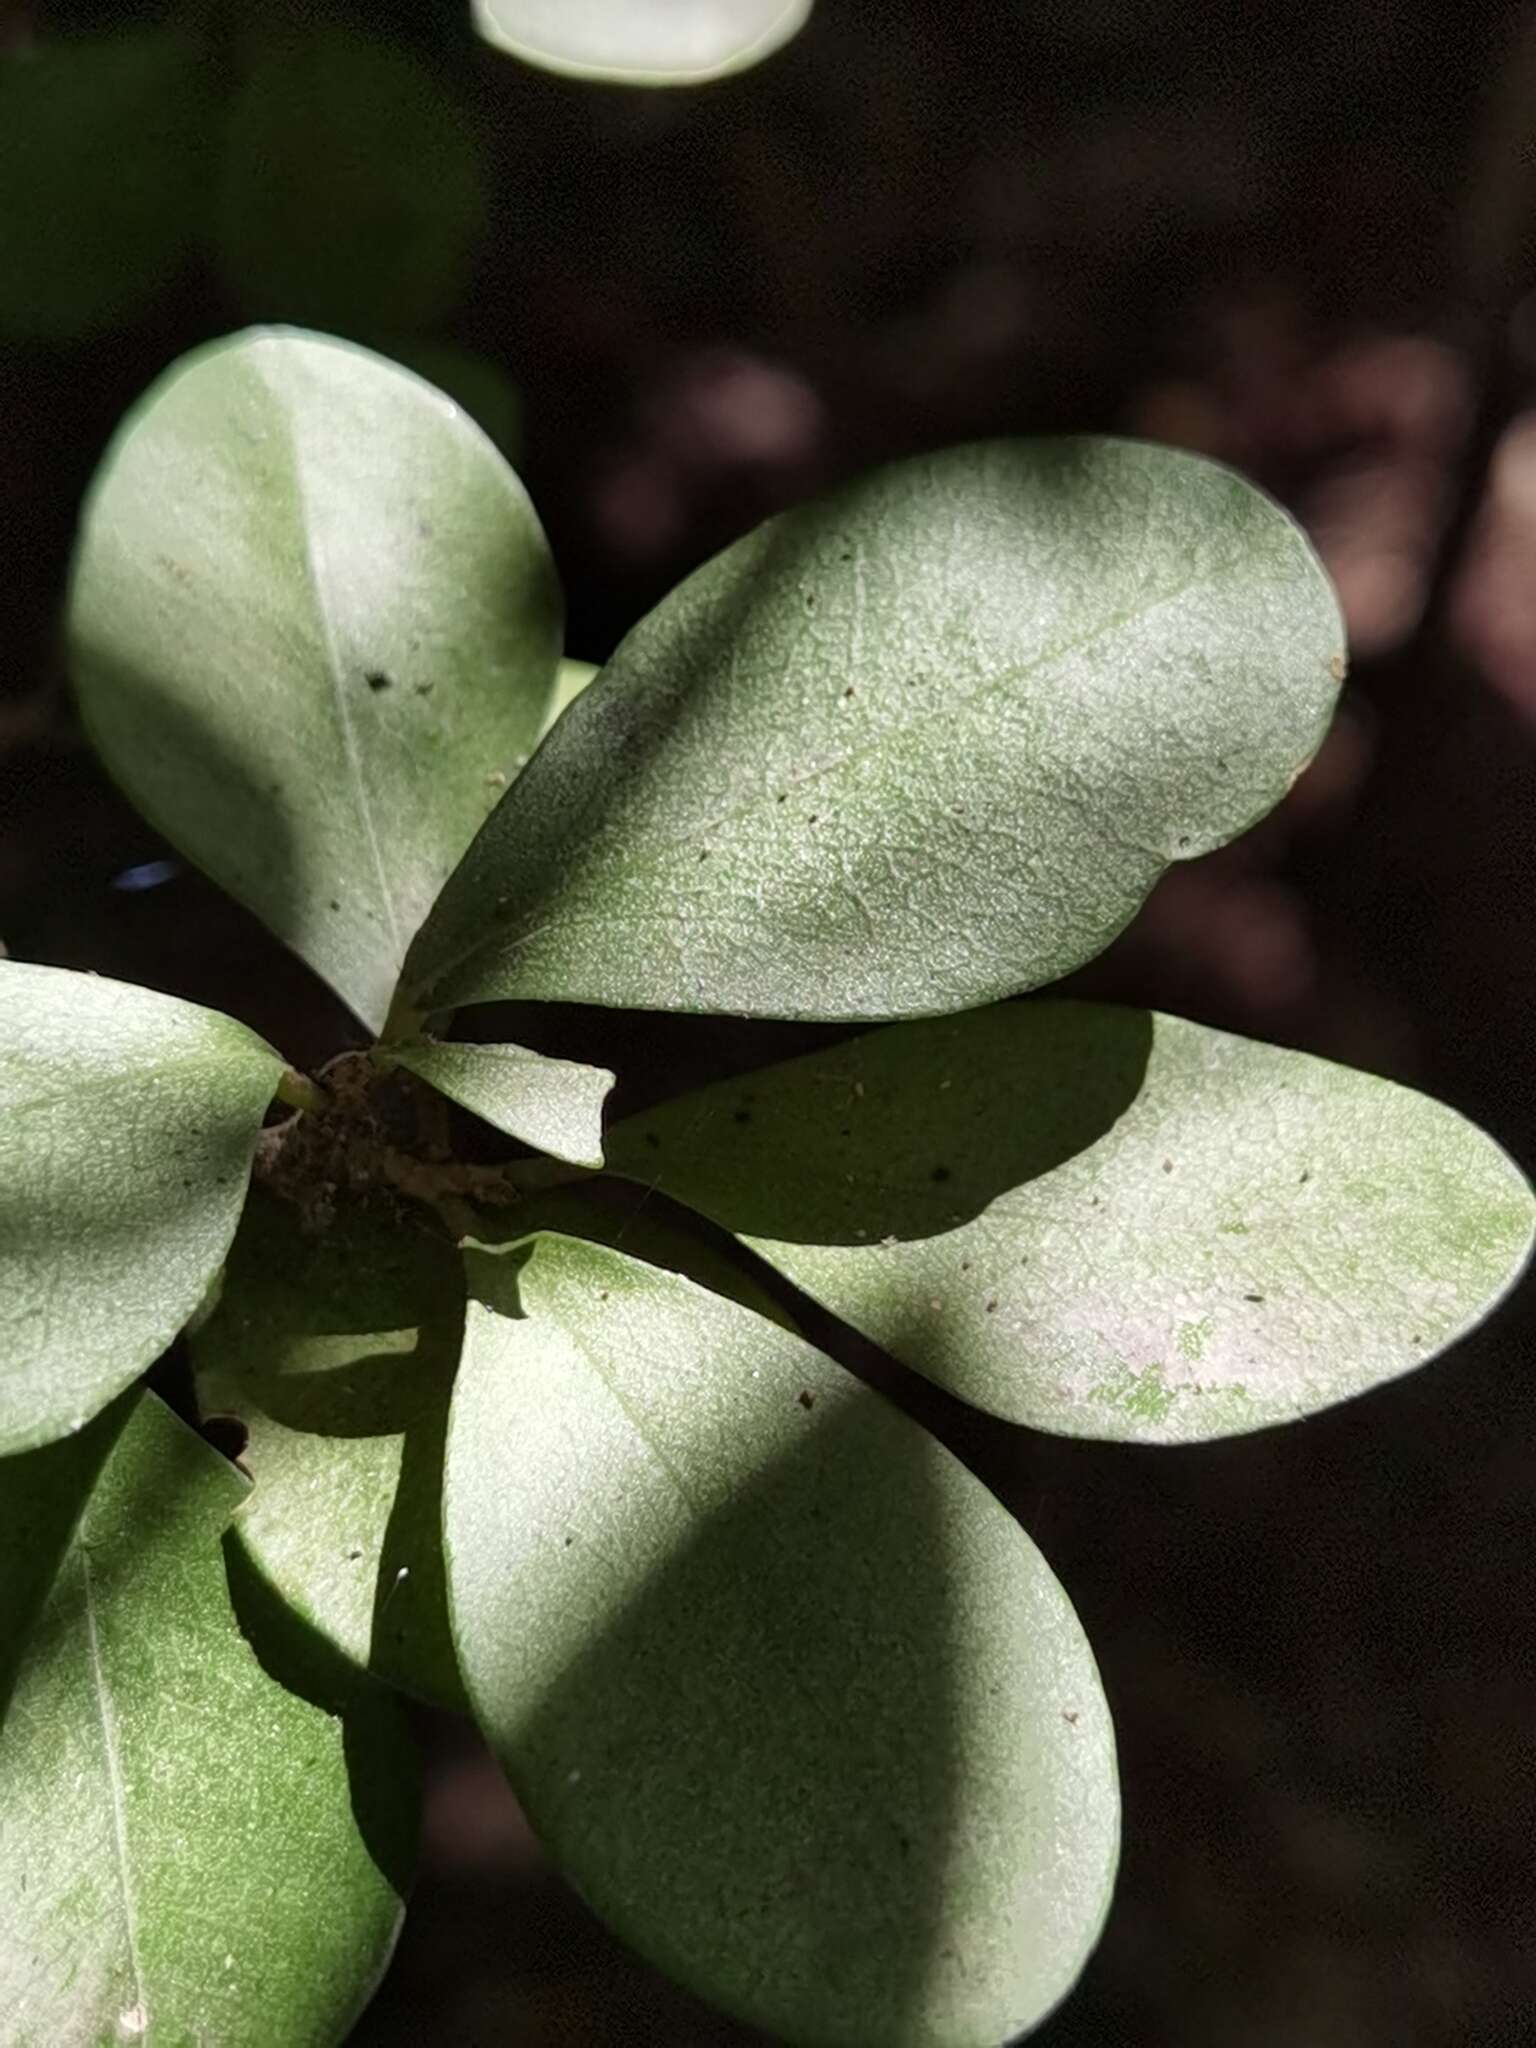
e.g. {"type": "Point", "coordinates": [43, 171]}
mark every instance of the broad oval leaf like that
{"type": "Point", "coordinates": [556, 1106]}
{"type": "Point", "coordinates": [800, 1709]}
{"type": "Point", "coordinates": [314, 628]}
{"type": "Point", "coordinates": [188, 1850]}
{"type": "Point", "coordinates": [927, 742]}
{"type": "Point", "coordinates": [102, 167]}
{"type": "Point", "coordinates": [127, 1125]}
{"type": "Point", "coordinates": [1106, 1222]}
{"type": "Point", "coordinates": [352, 193]}
{"type": "Point", "coordinates": [641, 42]}
{"type": "Point", "coordinates": [336, 1349]}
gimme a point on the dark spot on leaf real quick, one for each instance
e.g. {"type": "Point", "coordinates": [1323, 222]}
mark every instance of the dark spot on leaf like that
{"type": "Point", "coordinates": [806, 1398]}
{"type": "Point", "coordinates": [849, 691]}
{"type": "Point", "coordinates": [1069, 1718]}
{"type": "Point", "coordinates": [965, 1265]}
{"type": "Point", "coordinates": [1304, 1179]}
{"type": "Point", "coordinates": [991, 1308]}
{"type": "Point", "coordinates": [569, 1541]}
{"type": "Point", "coordinates": [1253, 1297]}
{"type": "Point", "coordinates": [1167, 1166]}
{"type": "Point", "coordinates": [353, 1556]}
{"type": "Point", "coordinates": [652, 1139]}
{"type": "Point", "coordinates": [703, 853]}
{"type": "Point", "coordinates": [904, 1843]}
{"type": "Point", "coordinates": [604, 1295]}
{"type": "Point", "coordinates": [810, 600]}
{"type": "Point", "coordinates": [845, 1134]}
{"type": "Point", "coordinates": [377, 680]}
{"type": "Point", "coordinates": [811, 820]}
{"type": "Point", "coordinates": [939, 1173]}
{"type": "Point", "coordinates": [782, 797]}
{"type": "Point", "coordinates": [335, 904]}
{"type": "Point", "coordinates": [423, 689]}
{"type": "Point", "coordinates": [741, 1116]}
{"type": "Point", "coordinates": [1183, 839]}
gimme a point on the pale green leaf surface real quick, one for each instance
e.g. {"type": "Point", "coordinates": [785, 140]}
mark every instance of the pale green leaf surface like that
{"type": "Point", "coordinates": [623, 1216]}
{"type": "Point", "coordinates": [798, 1707]}
{"type": "Point", "coordinates": [924, 743]}
{"type": "Point", "coordinates": [181, 1857]}
{"type": "Point", "coordinates": [1106, 1222]}
{"type": "Point", "coordinates": [127, 1125]}
{"type": "Point", "coordinates": [337, 1351]}
{"type": "Point", "coordinates": [641, 42]}
{"type": "Point", "coordinates": [571, 679]}
{"type": "Point", "coordinates": [101, 165]}
{"type": "Point", "coordinates": [314, 628]}
{"type": "Point", "coordinates": [556, 1106]}
{"type": "Point", "coordinates": [352, 192]}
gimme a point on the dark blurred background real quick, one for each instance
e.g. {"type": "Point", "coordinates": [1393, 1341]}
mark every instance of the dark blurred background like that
{"type": "Point", "coordinates": [1302, 238]}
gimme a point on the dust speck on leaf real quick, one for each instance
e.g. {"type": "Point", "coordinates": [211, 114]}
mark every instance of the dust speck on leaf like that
{"type": "Point", "coordinates": [1337, 666]}
{"type": "Point", "coordinates": [1253, 1297]}
{"type": "Point", "coordinates": [991, 1308]}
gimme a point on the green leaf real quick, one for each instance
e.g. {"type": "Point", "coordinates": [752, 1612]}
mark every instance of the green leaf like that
{"type": "Point", "coordinates": [799, 1708]}
{"type": "Point", "coordinates": [102, 165]}
{"type": "Point", "coordinates": [556, 1106]}
{"type": "Point", "coordinates": [623, 1216]}
{"type": "Point", "coordinates": [352, 194]}
{"type": "Point", "coordinates": [1106, 1222]}
{"type": "Point", "coordinates": [314, 628]}
{"type": "Point", "coordinates": [680, 42]}
{"type": "Point", "coordinates": [337, 1352]}
{"type": "Point", "coordinates": [127, 1125]}
{"type": "Point", "coordinates": [927, 742]}
{"type": "Point", "coordinates": [571, 679]}
{"type": "Point", "coordinates": [188, 1851]}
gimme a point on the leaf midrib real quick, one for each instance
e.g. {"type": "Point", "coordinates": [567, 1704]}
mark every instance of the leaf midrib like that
{"type": "Point", "coordinates": [105, 1084]}
{"type": "Point", "coordinates": [314, 571]}
{"type": "Point", "coordinates": [108, 1721]}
